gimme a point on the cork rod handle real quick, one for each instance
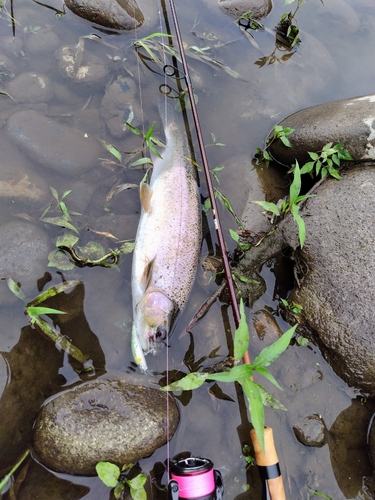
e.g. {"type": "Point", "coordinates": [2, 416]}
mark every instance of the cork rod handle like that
{"type": "Point", "coordinates": [267, 459]}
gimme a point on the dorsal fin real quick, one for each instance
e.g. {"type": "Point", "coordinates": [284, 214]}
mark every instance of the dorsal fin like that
{"type": "Point", "coordinates": [145, 193]}
{"type": "Point", "coordinates": [147, 273]}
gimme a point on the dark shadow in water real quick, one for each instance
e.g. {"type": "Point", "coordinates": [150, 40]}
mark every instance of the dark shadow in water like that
{"type": "Point", "coordinates": [348, 447]}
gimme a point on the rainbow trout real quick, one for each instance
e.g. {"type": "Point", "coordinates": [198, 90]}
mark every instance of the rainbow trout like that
{"type": "Point", "coordinates": [168, 243]}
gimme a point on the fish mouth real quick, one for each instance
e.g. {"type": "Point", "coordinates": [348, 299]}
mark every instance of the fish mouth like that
{"type": "Point", "coordinates": [156, 338]}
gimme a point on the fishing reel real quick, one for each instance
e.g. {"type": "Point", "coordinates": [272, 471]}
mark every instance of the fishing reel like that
{"type": "Point", "coordinates": [195, 478]}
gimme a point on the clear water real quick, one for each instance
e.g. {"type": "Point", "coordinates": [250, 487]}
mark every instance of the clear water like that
{"type": "Point", "coordinates": [335, 60]}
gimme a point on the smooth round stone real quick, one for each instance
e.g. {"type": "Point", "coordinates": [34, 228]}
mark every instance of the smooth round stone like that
{"type": "Point", "coordinates": [55, 146]}
{"type": "Point", "coordinates": [119, 105]}
{"type": "Point", "coordinates": [310, 431]}
{"type": "Point", "coordinates": [80, 66]}
{"type": "Point", "coordinates": [21, 185]}
{"type": "Point", "coordinates": [124, 15]}
{"type": "Point", "coordinates": [24, 249]}
{"type": "Point", "coordinates": [31, 87]}
{"type": "Point", "coordinates": [235, 8]}
{"type": "Point", "coordinates": [102, 420]}
{"type": "Point", "coordinates": [351, 121]}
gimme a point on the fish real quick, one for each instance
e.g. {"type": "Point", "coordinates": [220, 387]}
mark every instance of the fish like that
{"type": "Point", "coordinates": [168, 241]}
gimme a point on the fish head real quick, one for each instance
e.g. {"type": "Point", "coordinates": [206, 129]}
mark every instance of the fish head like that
{"type": "Point", "coordinates": [154, 318]}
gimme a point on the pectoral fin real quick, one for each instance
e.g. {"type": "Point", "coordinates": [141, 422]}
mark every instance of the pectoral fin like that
{"type": "Point", "coordinates": [147, 274]}
{"type": "Point", "coordinates": [145, 193]}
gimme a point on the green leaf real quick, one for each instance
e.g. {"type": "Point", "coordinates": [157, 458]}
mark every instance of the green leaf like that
{"type": "Point", "coordinates": [188, 383]}
{"type": "Point", "coordinates": [66, 240]}
{"type": "Point", "coordinates": [288, 2]}
{"type": "Point", "coordinates": [269, 400]}
{"type": "Point", "coordinates": [15, 288]}
{"type": "Point", "coordinates": [60, 221]}
{"type": "Point", "coordinates": [150, 131]}
{"type": "Point", "coordinates": [235, 236]}
{"type": "Point", "coordinates": [241, 336]}
{"type": "Point", "coordinates": [65, 210]}
{"type": "Point", "coordinates": [313, 156]}
{"type": "Point", "coordinates": [153, 149]}
{"type": "Point", "coordinates": [153, 35]}
{"type": "Point", "coordinates": [60, 260]}
{"type": "Point", "coordinates": [135, 130]}
{"type": "Point", "coordinates": [255, 408]}
{"type": "Point", "coordinates": [37, 311]}
{"type": "Point", "coordinates": [111, 149]}
{"type": "Point", "coordinates": [285, 141]}
{"type": "Point", "coordinates": [268, 207]}
{"type": "Point", "coordinates": [54, 193]}
{"type": "Point", "coordinates": [141, 161]}
{"type": "Point", "coordinates": [108, 473]}
{"type": "Point", "coordinates": [272, 352]}
{"type": "Point", "coordinates": [301, 225]}
{"type": "Point", "coordinates": [295, 187]}
{"type": "Point", "coordinates": [327, 146]}
{"type": "Point", "coordinates": [235, 374]}
{"type": "Point", "coordinates": [307, 167]}
{"type": "Point", "coordinates": [136, 487]}
{"type": "Point", "coordinates": [263, 371]}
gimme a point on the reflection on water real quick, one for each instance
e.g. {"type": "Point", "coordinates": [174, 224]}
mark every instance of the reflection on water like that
{"type": "Point", "coordinates": [44, 70]}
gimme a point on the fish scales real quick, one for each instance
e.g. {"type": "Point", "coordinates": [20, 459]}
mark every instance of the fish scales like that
{"type": "Point", "coordinates": [167, 243]}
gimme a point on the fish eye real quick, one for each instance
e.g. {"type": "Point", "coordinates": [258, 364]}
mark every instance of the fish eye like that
{"type": "Point", "coordinates": [160, 335]}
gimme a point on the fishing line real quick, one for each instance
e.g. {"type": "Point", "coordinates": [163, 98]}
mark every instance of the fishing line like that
{"type": "Point", "coordinates": [211, 192]}
{"type": "Point", "coordinates": [272, 480]}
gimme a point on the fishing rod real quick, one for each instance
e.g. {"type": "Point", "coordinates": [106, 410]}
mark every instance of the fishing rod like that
{"type": "Point", "coordinates": [267, 460]}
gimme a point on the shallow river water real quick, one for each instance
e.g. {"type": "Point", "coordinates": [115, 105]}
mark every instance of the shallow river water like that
{"type": "Point", "coordinates": [334, 61]}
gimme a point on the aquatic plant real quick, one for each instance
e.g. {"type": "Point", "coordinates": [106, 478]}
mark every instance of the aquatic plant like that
{"type": "Point", "coordinates": [34, 311]}
{"type": "Point", "coordinates": [113, 477]}
{"type": "Point", "coordinates": [256, 394]}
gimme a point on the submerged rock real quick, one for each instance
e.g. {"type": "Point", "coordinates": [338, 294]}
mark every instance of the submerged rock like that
{"type": "Point", "coordinates": [119, 105]}
{"type": "Point", "coordinates": [31, 87]}
{"type": "Point", "coordinates": [235, 8]}
{"type": "Point", "coordinates": [310, 431]}
{"type": "Point", "coordinates": [339, 263]}
{"type": "Point", "coordinates": [80, 66]}
{"type": "Point", "coordinates": [22, 185]}
{"type": "Point", "coordinates": [351, 121]}
{"type": "Point", "coordinates": [118, 15]}
{"type": "Point", "coordinates": [24, 249]}
{"type": "Point", "coordinates": [52, 144]}
{"type": "Point", "coordinates": [102, 420]}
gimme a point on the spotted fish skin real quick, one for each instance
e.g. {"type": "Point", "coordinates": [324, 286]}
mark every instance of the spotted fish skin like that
{"type": "Point", "coordinates": [168, 239]}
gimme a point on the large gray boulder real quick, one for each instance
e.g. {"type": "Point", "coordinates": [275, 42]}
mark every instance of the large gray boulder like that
{"type": "Point", "coordinates": [338, 264]}
{"type": "Point", "coordinates": [103, 420]}
{"type": "Point", "coordinates": [52, 144]}
{"type": "Point", "coordinates": [351, 121]}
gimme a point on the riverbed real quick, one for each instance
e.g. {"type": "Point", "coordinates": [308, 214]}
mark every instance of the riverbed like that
{"type": "Point", "coordinates": [256, 84]}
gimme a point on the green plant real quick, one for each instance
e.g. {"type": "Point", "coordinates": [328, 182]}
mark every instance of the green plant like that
{"type": "Point", "coordinates": [149, 141]}
{"type": "Point", "coordinates": [325, 161]}
{"type": "Point", "coordinates": [292, 307]}
{"type": "Point", "coordinates": [278, 132]}
{"type": "Point", "coordinates": [319, 494]}
{"type": "Point", "coordinates": [113, 477]}
{"type": "Point", "coordinates": [291, 204]}
{"type": "Point", "coordinates": [7, 477]}
{"type": "Point", "coordinates": [287, 31]}
{"type": "Point", "coordinates": [63, 220]}
{"type": "Point", "coordinates": [256, 394]}
{"type": "Point", "coordinates": [34, 311]}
